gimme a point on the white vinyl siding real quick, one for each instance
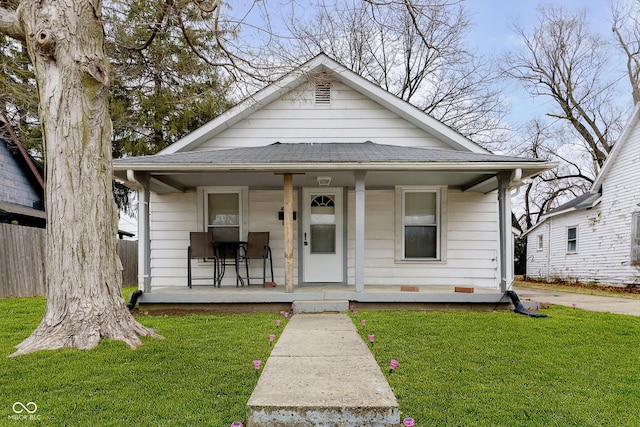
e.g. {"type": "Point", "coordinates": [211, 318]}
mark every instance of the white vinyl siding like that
{"type": "Point", "coordinates": [469, 242]}
{"type": "Point", "coordinates": [350, 117]}
{"type": "Point", "coordinates": [537, 259]}
{"type": "Point", "coordinates": [172, 216]}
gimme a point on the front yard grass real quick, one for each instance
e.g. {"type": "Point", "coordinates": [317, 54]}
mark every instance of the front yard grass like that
{"type": "Point", "coordinates": [574, 368]}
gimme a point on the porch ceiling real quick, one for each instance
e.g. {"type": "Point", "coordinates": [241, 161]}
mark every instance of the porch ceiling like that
{"type": "Point", "coordinates": [173, 182]}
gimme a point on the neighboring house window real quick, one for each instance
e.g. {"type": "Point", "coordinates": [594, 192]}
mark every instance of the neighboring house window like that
{"type": "Point", "coordinates": [420, 223]}
{"type": "Point", "coordinates": [572, 239]}
{"type": "Point", "coordinates": [223, 214]}
{"type": "Point", "coordinates": [635, 239]}
{"type": "Point", "coordinates": [540, 242]}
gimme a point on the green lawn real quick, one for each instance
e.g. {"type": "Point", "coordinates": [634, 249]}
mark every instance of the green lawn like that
{"type": "Point", "coordinates": [575, 368]}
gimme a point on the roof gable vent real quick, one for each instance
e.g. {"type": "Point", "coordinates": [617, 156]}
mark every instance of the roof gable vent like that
{"type": "Point", "coordinates": [323, 92]}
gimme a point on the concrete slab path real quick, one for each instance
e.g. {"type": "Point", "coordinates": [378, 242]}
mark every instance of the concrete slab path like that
{"type": "Point", "coordinates": [582, 301]}
{"type": "Point", "coordinates": [321, 373]}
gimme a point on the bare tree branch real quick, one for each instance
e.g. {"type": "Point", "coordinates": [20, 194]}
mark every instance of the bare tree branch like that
{"type": "Point", "coordinates": [563, 61]}
{"type": "Point", "coordinates": [10, 24]}
{"type": "Point", "coordinates": [626, 29]}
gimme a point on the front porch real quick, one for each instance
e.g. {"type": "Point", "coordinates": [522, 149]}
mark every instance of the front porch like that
{"type": "Point", "coordinates": [380, 296]}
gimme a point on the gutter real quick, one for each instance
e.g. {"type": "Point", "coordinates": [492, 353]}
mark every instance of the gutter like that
{"type": "Point", "coordinates": [368, 166]}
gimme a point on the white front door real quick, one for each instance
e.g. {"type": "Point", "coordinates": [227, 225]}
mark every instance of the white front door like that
{"type": "Point", "coordinates": [322, 235]}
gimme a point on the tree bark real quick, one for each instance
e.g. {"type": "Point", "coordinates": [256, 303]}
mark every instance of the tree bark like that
{"type": "Point", "coordinates": [84, 296]}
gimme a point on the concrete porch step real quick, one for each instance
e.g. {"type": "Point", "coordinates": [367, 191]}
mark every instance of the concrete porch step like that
{"type": "Point", "coordinates": [320, 306]}
{"type": "Point", "coordinates": [321, 373]}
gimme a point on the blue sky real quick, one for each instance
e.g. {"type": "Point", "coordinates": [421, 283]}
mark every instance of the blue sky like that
{"type": "Point", "coordinates": [491, 19]}
{"type": "Point", "coordinates": [492, 34]}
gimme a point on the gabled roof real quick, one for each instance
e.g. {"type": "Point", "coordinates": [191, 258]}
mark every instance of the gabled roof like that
{"type": "Point", "coordinates": [32, 169]}
{"type": "Point", "coordinates": [624, 137]}
{"type": "Point", "coordinates": [322, 63]}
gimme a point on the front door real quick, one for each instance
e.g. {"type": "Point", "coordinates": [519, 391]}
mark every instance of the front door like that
{"type": "Point", "coordinates": [322, 235]}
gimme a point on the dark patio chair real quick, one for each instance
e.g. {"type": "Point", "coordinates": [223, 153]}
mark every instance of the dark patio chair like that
{"type": "Point", "coordinates": [201, 247]}
{"type": "Point", "coordinates": [257, 247]}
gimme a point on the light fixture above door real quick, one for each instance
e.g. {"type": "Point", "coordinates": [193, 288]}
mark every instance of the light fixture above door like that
{"type": "Point", "coordinates": [323, 181]}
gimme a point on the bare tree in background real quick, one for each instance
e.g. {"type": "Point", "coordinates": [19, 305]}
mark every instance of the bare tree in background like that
{"type": "Point", "coordinates": [413, 49]}
{"type": "Point", "coordinates": [626, 29]}
{"type": "Point", "coordinates": [563, 61]}
{"type": "Point", "coordinates": [568, 180]}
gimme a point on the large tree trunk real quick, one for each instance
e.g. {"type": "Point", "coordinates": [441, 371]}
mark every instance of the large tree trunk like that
{"type": "Point", "coordinates": [84, 297]}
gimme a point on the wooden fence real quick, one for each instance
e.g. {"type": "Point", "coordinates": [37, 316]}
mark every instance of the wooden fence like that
{"type": "Point", "coordinates": [22, 251]}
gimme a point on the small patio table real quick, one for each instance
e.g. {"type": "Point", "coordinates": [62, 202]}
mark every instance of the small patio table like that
{"type": "Point", "coordinates": [228, 252]}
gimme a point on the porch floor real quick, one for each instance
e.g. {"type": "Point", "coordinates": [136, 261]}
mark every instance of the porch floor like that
{"type": "Point", "coordinates": [384, 294]}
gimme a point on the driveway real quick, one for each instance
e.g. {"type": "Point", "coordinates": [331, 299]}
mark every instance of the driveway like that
{"type": "Point", "coordinates": [586, 302]}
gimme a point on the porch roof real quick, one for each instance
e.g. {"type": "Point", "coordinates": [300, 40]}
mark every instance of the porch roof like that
{"type": "Point", "coordinates": [307, 155]}
{"type": "Point", "coordinates": [479, 169]}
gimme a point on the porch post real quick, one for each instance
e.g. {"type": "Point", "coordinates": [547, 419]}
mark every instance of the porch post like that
{"type": "Point", "coordinates": [506, 240]}
{"type": "Point", "coordinates": [359, 253]}
{"type": "Point", "coordinates": [144, 236]}
{"type": "Point", "coordinates": [288, 232]}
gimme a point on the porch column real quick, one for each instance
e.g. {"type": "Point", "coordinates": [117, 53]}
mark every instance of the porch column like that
{"type": "Point", "coordinates": [359, 254]}
{"type": "Point", "coordinates": [288, 232]}
{"type": "Point", "coordinates": [506, 240]}
{"type": "Point", "coordinates": [144, 236]}
{"type": "Point", "coordinates": [147, 234]}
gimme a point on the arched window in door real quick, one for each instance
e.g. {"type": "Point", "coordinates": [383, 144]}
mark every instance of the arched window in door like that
{"type": "Point", "coordinates": [323, 224]}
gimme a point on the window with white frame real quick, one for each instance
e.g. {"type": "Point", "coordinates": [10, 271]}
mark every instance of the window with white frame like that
{"type": "Point", "coordinates": [540, 242]}
{"type": "Point", "coordinates": [572, 239]}
{"type": "Point", "coordinates": [635, 238]}
{"type": "Point", "coordinates": [223, 214]}
{"type": "Point", "coordinates": [420, 223]}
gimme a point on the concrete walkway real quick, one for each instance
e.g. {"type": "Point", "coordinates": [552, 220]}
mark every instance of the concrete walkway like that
{"type": "Point", "coordinates": [321, 373]}
{"type": "Point", "coordinates": [586, 302]}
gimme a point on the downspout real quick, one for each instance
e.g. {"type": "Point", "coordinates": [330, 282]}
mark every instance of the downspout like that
{"type": "Point", "coordinates": [549, 250]}
{"type": "Point", "coordinates": [144, 251]}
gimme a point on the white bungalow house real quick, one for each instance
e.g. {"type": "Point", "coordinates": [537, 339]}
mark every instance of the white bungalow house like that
{"type": "Point", "coordinates": [403, 200]}
{"type": "Point", "coordinates": [595, 237]}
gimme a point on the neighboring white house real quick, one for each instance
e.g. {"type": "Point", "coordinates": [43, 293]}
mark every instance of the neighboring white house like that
{"type": "Point", "coordinates": [595, 237]}
{"type": "Point", "coordinates": [407, 200]}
